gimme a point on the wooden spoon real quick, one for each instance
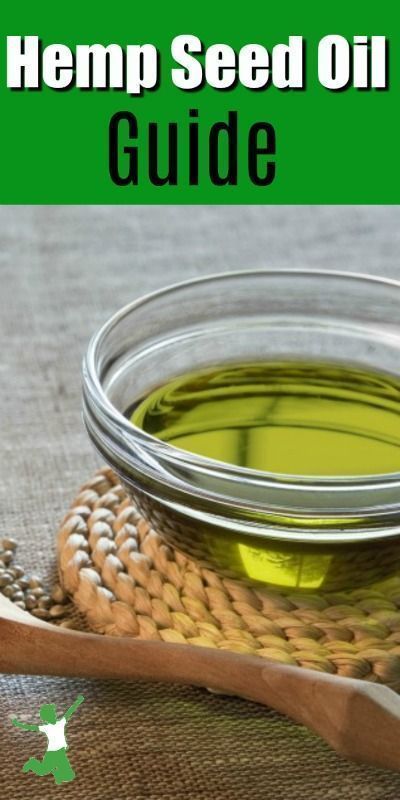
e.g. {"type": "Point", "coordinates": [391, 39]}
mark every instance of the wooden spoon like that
{"type": "Point", "coordinates": [360, 720]}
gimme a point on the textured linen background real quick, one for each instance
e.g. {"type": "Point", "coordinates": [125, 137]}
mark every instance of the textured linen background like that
{"type": "Point", "coordinates": [63, 270]}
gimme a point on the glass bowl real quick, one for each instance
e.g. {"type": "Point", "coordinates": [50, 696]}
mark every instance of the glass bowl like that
{"type": "Point", "coordinates": [290, 531]}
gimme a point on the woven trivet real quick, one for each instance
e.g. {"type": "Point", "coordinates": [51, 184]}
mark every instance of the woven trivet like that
{"type": "Point", "coordinates": [128, 582]}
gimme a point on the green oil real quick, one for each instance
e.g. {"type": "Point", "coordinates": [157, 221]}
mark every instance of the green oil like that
{"type": "Point", "coordinates": [299, 418]}
{"type": "Point", "coordinates": [293, 418]}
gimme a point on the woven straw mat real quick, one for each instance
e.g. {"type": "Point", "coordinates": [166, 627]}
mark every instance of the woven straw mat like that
{"type": "Point", "coordinates": [127, 582]}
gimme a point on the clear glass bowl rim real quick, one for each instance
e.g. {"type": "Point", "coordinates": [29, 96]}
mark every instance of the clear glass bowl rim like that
{"type": "Point", "coordinates": [119, 425]}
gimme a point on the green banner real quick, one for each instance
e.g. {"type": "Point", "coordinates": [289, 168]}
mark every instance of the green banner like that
{"type": "Point", "coordinates": [212, 103]}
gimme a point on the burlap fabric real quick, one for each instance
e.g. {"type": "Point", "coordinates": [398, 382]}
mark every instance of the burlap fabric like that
{"type": "Point", "coordinates": [62, 271]}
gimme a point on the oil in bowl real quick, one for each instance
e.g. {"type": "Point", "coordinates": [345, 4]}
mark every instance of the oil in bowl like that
{"type": "Point", "coordinates": [254, 418]}
{"type": "Point", "coordinates": [292, 418]}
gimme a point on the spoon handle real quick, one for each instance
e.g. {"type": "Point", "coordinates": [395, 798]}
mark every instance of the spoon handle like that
{"type": "Point", "coordinates": [41, 649]}
{"type": "Point", "coordinates": [343, 711]}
